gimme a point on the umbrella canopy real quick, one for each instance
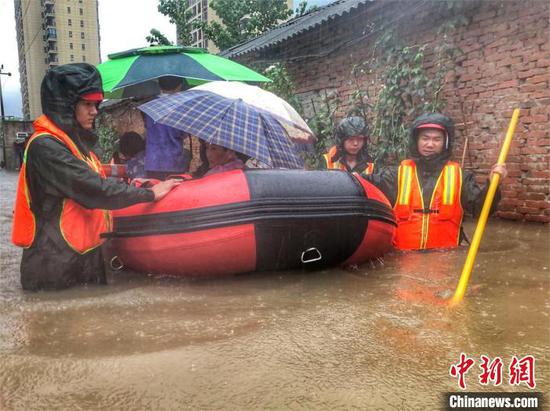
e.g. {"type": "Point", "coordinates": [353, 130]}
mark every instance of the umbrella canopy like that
{"type": "Point", "coordinates": [134, 73]}
{"type": "Point", "coordinates": [266, 101]}
{"type": "Point", "coordinates": [229, 122]}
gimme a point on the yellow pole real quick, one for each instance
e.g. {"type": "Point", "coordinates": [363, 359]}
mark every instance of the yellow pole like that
{"type": "Point", "coordinates": [472, 252]}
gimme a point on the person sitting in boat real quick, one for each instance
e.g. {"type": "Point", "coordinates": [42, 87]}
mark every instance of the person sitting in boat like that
{"type": "Point", "coordinates": [132, 151]}
{"type": "Point", "coordinates": [63, 194]}
{"type": "Point", "coordinates": [430, 193]}
{"type": "Point", "coordinates": [350, 152]}
{"type": "Point", "coordinates": [220, 159]}
{"type": "Point", "coordinates": [165, 152]}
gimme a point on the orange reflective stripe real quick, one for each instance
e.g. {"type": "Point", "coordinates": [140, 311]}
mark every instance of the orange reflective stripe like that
{"type": "Point", "coordinates": [338, 165]}
{"type": "Point", "coordinates": [333, 165]}
{"type": "Point", "coordinates": [449, 185]}
{"type": "Point", "coordinates": [405, 179]}
{"type": "Point", "coordinates": [370, 168]}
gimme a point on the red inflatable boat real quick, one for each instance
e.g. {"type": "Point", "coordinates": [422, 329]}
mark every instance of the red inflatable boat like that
{"type": "Point", "coordinates": [255, 220]}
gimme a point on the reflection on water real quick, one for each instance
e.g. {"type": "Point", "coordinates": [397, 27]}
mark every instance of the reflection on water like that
{"type": "Point", "coordinates": [379, 337]}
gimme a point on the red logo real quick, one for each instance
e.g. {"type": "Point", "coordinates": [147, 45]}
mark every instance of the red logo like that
{"type": "Point", "coordinates": [521, 370]}
{"type": "Point", "coordinates": [460, 369]}
{"type": "Point", "coordinates": [491, 371]}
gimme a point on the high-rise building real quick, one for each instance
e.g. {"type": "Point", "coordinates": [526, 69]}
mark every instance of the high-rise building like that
{"type": "Point", "coordinates": [201, 10]}
{"type": "Point", "coordinates": [49, 33]}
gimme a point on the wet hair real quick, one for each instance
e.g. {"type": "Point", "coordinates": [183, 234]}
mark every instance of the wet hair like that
{"type": "Point", "coordinates": [131, 143]}
{"type": "Point", "coordinates": [169, 83]}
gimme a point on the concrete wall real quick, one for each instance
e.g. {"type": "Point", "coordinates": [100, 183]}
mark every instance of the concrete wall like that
{"type": "Point", "coordinates": [9, 130]}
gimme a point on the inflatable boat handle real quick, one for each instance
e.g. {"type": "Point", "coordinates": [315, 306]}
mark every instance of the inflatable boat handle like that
{"type": "Point", "coordinates": [316, 257]}
{"type": "Point", "coordinates": [116, 263]}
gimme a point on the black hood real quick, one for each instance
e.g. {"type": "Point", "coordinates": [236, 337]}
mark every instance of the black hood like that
{"type": "Point", "coordinates": [432, 118]}
{"type": "Point", "coordinates": [60, 91]}
{"type": "Point", "coordinates": [349, 127]}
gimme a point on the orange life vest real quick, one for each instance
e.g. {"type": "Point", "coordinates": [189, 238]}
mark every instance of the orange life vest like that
{"type": "Point", "coordinates": [338, 165]}
{"type": "Point", "coordinates": [436, 226]}
{"type": "Point", "coordinates": [114, 170]}
{"type": "Point", "coordinates": [79, 226]}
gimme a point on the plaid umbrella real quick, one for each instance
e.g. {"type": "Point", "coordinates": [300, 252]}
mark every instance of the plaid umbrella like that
{"type": "Point", "coordinates": [228, 122]}
{"type": "Point", "coordinates": [134, 73]}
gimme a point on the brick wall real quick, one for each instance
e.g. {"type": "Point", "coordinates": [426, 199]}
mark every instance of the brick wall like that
{"type": "Point", "coordinates": [505, 65]}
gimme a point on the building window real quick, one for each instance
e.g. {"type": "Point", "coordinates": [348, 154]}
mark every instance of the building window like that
{"type": "Point", "coordinates": [81, 23]}
{"type": "Point", "coordinates": [69, 9]}
{"type": "Point", "coordinates": [82, 35]}
{"type": "Point", "coordinates": [71, 46]}
{"type": "Point", "coordinates": [70, 22]}
{"type": "Point", "coordinates": [81, 12]}
{"type": "Point", "coordinates": [83, 58]}
{"type": "Point", "coordinates": [83, 47]}
{"type": "Point", "coordinates": [72, 57]}
{"type": "Point", "coordinates": [70, 34]}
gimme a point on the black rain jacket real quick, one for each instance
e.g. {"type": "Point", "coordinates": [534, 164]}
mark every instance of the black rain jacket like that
{"type": "Point", "coordinates": [54, 174]}
{"type": "Point", "coordinates": [429, 169]}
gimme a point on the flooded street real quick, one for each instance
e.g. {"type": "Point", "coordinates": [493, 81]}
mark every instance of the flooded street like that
{"type": "Point", "coordinates": [380, 337]}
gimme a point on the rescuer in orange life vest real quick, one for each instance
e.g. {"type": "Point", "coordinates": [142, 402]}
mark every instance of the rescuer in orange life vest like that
{"type": "Point", "coordinates": [429, 192]}
{"type": "Point", "coordinates": [63, 194]}
{"type": "Point", "coordinates": [350, 152]}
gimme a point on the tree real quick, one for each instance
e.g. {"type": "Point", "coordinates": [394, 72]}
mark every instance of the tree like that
{"type": "Point", "coordinates": [176, 11]}
{"type": "Point", "coordinates": [156, 38]}
{"type": "Point", "coordinates": [242, 20]}
{"type": "Point", "coordinates": [303, 9]}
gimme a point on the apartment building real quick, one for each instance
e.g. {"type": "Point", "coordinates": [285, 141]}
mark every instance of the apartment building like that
{"type": "Point", "coordinates": [49, 33]}
{"type": "Point", "coordinates": [201, 10]}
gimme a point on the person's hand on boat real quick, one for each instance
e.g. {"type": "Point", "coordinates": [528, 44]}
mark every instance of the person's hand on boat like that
{"type": "Point", "coordinates": [499, 169]}
{"type": "Point", "coordinates": [139, 182]}
{"type": "Point", "coordinates": [163, 188]}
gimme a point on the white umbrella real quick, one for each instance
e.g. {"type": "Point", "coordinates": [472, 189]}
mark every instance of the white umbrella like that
{"type": "Point", "coordinates": [264, 100]}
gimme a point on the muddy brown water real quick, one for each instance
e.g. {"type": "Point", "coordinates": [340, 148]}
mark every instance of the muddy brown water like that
{"type": "Point", "coordinates": [380, 337]}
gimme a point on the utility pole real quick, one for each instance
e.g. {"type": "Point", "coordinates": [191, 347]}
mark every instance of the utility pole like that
{"type": "Point", "coordinates": [3, 163]}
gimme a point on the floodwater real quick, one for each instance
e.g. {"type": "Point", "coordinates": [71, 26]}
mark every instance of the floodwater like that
{"type": "Point", "coordinates": [379, 337]}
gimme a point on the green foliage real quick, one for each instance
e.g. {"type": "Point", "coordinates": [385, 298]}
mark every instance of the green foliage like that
{"type": "Point", "coordinates": [156, 38]}
{"type": "Point", "coordinates": [243, 20]}
{"type": "Point", "coordinates": [176, 11]}
{"type": "Point", "coordinates": [303, 9]}
{"type": "Point", "coordinates": [322, 124]}
{"type": "Point", "coordinates": [282, 85]}
{"type": "Point", "coordinates": [406, 88]}
{"type": "Point", "coordinates": [107, 137]}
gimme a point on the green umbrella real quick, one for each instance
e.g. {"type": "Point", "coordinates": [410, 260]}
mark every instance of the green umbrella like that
{"type": "Point", "coordinates": [134, 73]}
